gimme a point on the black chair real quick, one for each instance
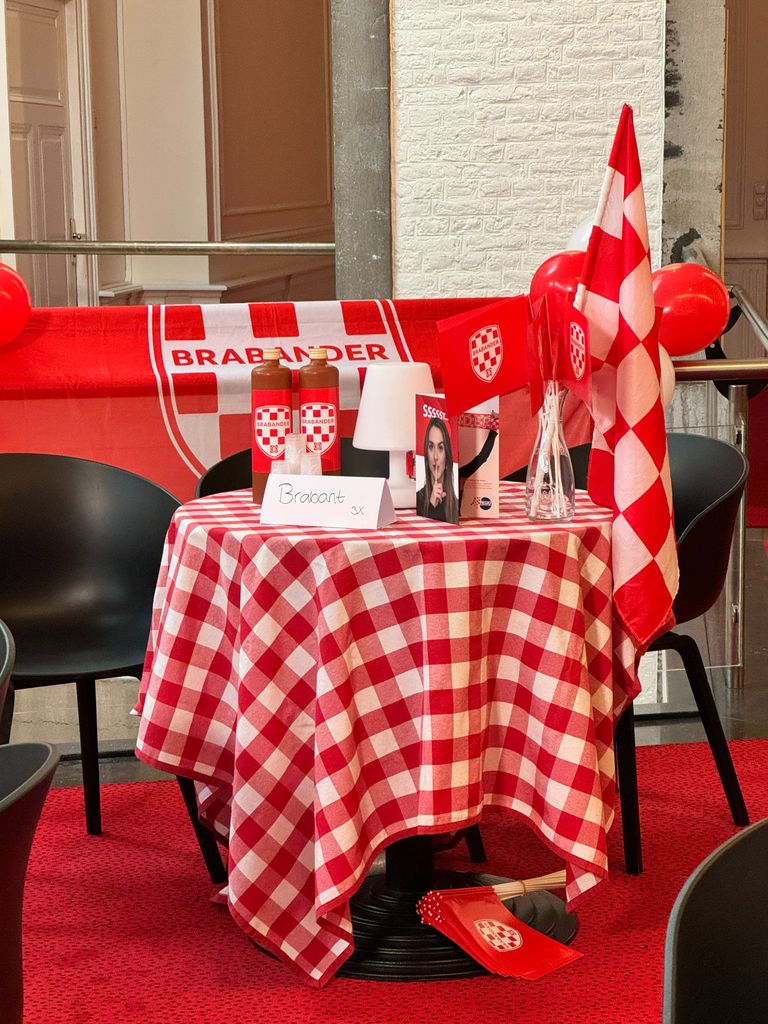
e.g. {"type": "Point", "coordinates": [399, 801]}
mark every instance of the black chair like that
{"type": "Point", "coordinates": [716, 948]}
{"type": "Point", "coordinates": [82, 545]}
{"type": "Point", "coordinates": [26, 770]}
{"type": "Point", "coordinates": [233, 473]}
{"type": "Point", "coordinates": [579, 460]}
{"type": "Point", "coordinates": [708, 478]}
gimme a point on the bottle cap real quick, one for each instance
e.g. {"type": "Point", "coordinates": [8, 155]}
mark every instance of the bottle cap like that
{"type": "Point", "coordinates": [271, 353]}
{"type": "Point", "coordinates": [318, 353]}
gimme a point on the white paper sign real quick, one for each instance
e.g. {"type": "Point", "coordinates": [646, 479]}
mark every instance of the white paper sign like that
{"type": "Point", "coordinates": [349, 502]}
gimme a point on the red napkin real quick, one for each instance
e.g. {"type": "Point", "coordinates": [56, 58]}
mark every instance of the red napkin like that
{"type": "Point", "coordinates": [478, 921]}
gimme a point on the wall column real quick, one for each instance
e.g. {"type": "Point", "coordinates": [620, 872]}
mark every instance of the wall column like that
{"type": "Point", "coordinates": [693, 130]}
{"type": "Point", "coordinates": [361, 148]}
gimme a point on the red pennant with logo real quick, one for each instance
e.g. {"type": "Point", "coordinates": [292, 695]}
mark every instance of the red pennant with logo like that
{"type": "Point", "coordinates": [538, 353]}
{"type": "Point", "coordinates": [558, 349]}
{"type": "Point", "coordinates": [483, 353]}
{"type": "Point", "coordinates": [478, 921]}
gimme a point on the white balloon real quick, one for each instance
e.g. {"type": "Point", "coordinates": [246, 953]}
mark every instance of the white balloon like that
{"type": "Point", "coordinates": [667, 378]}
{"type": "Point", "coordinates": [580, 235]}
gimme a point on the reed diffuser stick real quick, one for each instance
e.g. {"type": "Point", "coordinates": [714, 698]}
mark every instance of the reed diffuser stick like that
{"type": "Point", "coordinates": [554, 880]}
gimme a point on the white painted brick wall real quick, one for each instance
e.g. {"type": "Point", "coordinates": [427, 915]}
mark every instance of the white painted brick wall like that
{"type": "Point", "coordinates": [503, 113]}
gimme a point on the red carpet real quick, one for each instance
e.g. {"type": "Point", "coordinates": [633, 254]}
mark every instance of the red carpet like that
{"type": "Point", "coordinates": [119, 930]}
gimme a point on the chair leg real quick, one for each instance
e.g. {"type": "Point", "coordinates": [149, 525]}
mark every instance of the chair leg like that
{"type": "Point", "coordinates": [626, 770]}
{"type": "Point", "coordinates": [475, 846]}
{"type": "Point", "coordinates": [205, 838]}
{"type": "Point", "coordinates": [89, 753]}
{"type": "Point", "coordinates": [6, 717]}
{"type": "Point", "coordinates": [688, 650]}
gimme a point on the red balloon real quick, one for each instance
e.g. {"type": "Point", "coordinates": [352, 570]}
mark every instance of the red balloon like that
{"type": "Point", "coordinates": [15, 304]}
{"type": "Point", "coordinates": [561, 273]}
{"type": "Point", "coordinates": [695, 307]}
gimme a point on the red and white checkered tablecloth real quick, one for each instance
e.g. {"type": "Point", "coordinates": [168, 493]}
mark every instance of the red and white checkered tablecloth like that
{"type": "Point", "coordinates": [334, 690]}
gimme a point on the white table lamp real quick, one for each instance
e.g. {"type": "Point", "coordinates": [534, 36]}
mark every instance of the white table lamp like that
{"type": "Point", "coordinates": [386, 420]}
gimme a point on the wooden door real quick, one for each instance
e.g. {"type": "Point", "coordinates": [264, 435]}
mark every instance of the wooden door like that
{"type": "Point", "coordinates": [40, 144]}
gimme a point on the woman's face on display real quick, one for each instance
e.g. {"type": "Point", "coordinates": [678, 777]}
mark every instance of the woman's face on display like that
{"type": "Point", "coordinates": [436, 453]}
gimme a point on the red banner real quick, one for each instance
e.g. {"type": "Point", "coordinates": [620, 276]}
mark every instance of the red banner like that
{"type": "Point", "coordinates": [165, 390]}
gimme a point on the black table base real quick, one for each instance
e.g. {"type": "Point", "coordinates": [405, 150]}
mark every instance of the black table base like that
{"type": "Point", "coordinates": [391, 943]}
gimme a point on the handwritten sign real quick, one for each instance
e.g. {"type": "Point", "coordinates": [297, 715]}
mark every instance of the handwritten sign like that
{"type": "Point", "coordinates": [349, 502]}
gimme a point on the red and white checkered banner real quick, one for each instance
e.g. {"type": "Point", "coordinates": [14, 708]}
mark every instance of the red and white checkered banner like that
{"type": "Point", "coordinates": [165, 390]}
{"type": "Point", "coordinates": [629, 466]}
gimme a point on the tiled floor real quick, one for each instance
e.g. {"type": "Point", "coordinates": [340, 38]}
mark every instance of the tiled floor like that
{"type": "Point", "coordinates": [744, 712]}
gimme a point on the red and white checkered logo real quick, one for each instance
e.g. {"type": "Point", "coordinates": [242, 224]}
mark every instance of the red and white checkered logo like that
{"type": "Point", "coordinates": [319, 424]}
{"type": "Point", "coordinates": [498, 935]}
{"type": "Point", "coordinates": [485, 352]}
{"type": "Point", "coordinates": [578, 350]}
{"type": "Point", "coordinates": [271, 424]}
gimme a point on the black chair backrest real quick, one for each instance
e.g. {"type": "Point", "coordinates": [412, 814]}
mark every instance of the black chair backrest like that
{"type": "Point", "coordinates": [716, 948]}
{"type": "Point", "coordinates": [80, 538]}
{"type": "Point", "coordinates": [233, 473]}
{"type": "Point", "coordinates": [358, 462]}
{"type": "Point", "coordinates": [26, 770]}
{"type": "Point", "coordinates": [708, 479]}
{"type": "Point", "coordinates": [7, 658]}
{"type": "Point", "coordinates": [579, 460]}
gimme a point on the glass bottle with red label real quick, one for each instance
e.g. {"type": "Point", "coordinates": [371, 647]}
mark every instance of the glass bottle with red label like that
{"type": "Point", "coordinates": [319, 409]}
{"type": "Point", "coordinates": [270, 417]}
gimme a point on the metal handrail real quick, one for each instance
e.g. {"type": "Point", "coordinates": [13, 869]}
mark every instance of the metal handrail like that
{"type": "Point", "coordinates": [721, 369]}
{"type": "Point", "coordinates": [84, 247]}
{"type": "Point", "coordinates": [755, 320]}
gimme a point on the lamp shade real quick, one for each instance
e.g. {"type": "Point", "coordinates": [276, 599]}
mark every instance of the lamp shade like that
{"type": "Point", "coordinates": [386, 420]}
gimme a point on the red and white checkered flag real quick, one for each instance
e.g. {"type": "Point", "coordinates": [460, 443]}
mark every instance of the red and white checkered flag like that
{"type": "Point", "coordinates": [629, 466]}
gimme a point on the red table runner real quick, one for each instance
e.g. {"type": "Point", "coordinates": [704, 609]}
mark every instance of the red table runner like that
{"type": "Point", "coordinates": [332, 691]}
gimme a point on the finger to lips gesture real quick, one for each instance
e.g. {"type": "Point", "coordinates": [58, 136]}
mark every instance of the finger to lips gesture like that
{"type": "Point", "coordinates": [438, 494]}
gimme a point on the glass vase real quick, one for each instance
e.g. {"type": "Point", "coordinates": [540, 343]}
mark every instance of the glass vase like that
{"type": "Point", "coordinates": [549, 483]}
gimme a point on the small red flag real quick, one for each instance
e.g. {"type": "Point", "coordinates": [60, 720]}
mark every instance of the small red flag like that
{"type": "Point", "coordinates": [477, 921]}
{"type": "Point", "coordinates": [558, 348]}
{"type": "Point", "coordinates": [483, 353]}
